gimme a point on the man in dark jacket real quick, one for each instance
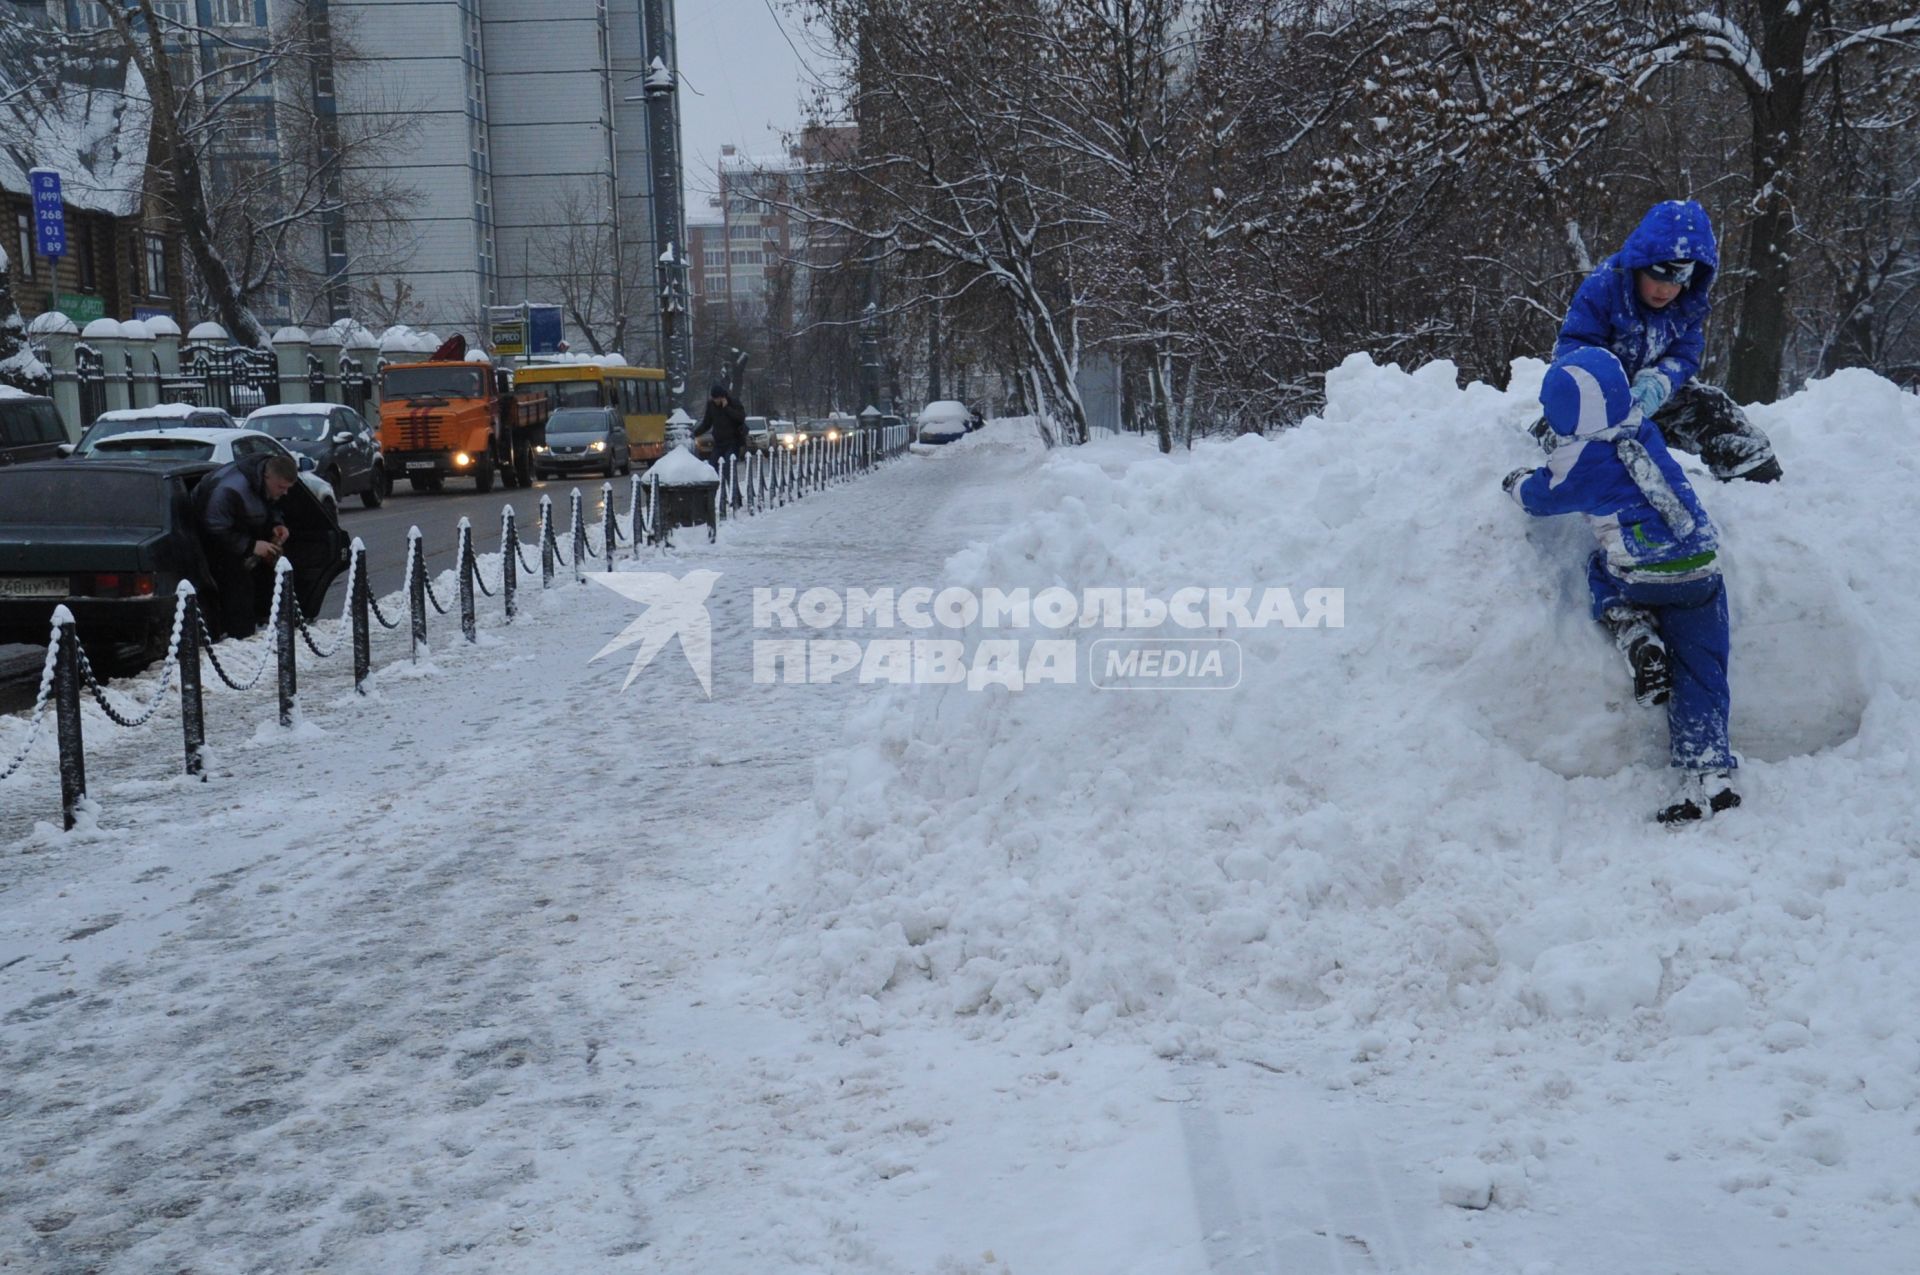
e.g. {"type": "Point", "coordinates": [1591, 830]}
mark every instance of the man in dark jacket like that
{"type": "Point", "coordinates": [242, 530]}
{"type": "Point", "coordinates": [726, 421]}
{"type": "Point", "coordinates": [1648, 304]}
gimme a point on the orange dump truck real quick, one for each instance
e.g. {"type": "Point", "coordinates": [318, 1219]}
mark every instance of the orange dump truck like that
{"type": "Point", "coordinates": [448, 418]}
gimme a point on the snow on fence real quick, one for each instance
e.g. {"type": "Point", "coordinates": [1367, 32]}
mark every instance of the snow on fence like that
{"type": "Point", "coordinates": [747, 487]}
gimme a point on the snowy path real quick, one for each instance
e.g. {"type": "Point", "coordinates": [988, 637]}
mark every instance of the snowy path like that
{"type": "Point", "coordinates": [476, 979]}
{"type": "Point", "coordinates": [377, 998]}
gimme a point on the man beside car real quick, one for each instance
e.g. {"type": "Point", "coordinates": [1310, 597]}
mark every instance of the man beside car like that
{"type": "Point", "coordinates": [242, 529]}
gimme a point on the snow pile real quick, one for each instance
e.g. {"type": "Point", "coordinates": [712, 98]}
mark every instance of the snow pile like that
{"type": "Point", "coordinates": [681, 468]}
{"type": "Point", "coordinates": [1428, 832]}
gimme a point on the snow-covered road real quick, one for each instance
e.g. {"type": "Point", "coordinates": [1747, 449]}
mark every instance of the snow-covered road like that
{"type": "Point", "coordinates": [497, 972]}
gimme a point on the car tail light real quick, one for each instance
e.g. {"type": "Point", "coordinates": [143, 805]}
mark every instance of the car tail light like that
{"type": "Point", "coordinates": [115, 584]}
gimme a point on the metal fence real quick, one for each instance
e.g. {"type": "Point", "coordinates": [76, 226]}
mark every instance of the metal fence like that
{"type": "Point", "coordinates": [757, 484]}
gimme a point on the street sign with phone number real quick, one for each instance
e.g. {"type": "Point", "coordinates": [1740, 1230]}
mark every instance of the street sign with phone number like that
{"type": "Point", "coordinates": [49, 212]}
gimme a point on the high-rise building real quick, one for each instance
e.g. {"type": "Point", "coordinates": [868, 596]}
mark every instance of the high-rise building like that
{"type": "Point", "coordinates": [530, 157]}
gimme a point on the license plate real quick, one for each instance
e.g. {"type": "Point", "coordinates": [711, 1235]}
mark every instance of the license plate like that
{"type": "Point", "coordinates": [33, 586]}
{"type": "Point", "coordinates": [422, 464]}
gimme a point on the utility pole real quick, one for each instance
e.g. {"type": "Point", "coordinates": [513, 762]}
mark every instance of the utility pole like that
{"type": "Point", "coordinates": [662, 97]}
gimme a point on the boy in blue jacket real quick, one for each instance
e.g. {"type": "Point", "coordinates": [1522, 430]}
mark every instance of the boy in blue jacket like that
{"type": "Point", "coordinates": [1648, 304]}
{"type": "Point", "coordinates": [1655, 580]}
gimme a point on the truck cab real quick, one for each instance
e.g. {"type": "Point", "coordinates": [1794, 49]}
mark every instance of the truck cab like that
{"type": "Point", "coordinates": [448, 418]}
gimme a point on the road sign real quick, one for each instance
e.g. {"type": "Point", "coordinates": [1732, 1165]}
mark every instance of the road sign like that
{"type": "Point", "coordinates": [49, 212]}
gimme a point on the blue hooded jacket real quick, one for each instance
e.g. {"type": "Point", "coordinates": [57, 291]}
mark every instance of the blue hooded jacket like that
{"type": "Point", "coordinates": [1607, 312]}
{"type": "Point", "coordinates": [1612, 465]}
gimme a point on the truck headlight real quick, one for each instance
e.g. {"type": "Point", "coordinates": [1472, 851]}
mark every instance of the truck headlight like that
{"type": "Point", "coordinates": [539, 449]}
{"type": "Point", "coordinates": [461, 460]}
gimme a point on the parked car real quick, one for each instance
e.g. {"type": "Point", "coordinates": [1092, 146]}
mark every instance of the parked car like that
{"type": "Point", "coordinates": [30, 427]}
{"type": "Point", "coordinates": [943, 420]}
{"type": "Point", "coordinates": [111, 540]}
{"type": "Point", "coordinates": [216, 445]}
{"type": "Point", "coordinates": [344, 449]}
{"type": "Point", "coordinates": [164, 416]}
{"type": "Point", "coordinates": [582, 440]}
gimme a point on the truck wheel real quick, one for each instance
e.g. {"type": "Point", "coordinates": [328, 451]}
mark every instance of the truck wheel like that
{"type": "Point", "coordinates": [523, 462]}
{"type": "Point", "coordinates": [483, 474]}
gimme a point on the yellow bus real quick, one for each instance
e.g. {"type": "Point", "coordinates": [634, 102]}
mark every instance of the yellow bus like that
{"type": "Point", "coordinates": [640, 394]}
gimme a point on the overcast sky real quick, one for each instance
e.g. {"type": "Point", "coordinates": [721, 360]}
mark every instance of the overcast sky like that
{"type": "Point", "coordinates": [741, 82]}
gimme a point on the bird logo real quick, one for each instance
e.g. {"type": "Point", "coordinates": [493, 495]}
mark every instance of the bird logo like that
{"type": "Point", "coordinates": [673, 607]}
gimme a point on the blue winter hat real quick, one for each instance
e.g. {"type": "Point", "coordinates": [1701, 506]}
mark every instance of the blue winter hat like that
{"type": "Point", "coordinates": [1585, 392]}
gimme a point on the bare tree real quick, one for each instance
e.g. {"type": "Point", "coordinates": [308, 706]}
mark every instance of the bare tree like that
{"type": "Point", "coordinates": [251, 209]}
{"type": "Point", "coordinates": [575, 264]}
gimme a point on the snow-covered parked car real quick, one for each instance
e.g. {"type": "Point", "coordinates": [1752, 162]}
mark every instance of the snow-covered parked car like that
{"type": "Point", "coordinates": [136, 420]}
{"type": "Point", "coordinates": [216, 445]}
{"type": "Point", "coordinates": [944, 420]}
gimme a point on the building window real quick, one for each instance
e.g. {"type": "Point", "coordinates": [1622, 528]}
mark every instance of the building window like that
{"type": "Point", "coordinates": [233, 13]}
{"type": "Point", "coordinates": [91, 15]}
{"type": "Point", "coordinates": [83, 259]}
{"type": "Point", "coordinates": [23, 243]}
{"type": "Point", "coordinates": [171, 12]}
{"type": "Point", "coordinates": [156, 254]}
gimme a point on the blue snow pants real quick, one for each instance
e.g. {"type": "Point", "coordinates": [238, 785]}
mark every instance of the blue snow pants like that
{"type": "Point", "coordinates": [1692, 619]}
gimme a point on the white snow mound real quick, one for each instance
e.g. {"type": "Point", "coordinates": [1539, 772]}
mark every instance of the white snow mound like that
{"type": "Point", "coordinates": [1436, 816]}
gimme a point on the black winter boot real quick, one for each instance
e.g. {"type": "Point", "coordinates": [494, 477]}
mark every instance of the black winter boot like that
{"type": "Point", "coordinates": [1634, 633]}
{"type": "Point", "coordinates": [1703, 794]}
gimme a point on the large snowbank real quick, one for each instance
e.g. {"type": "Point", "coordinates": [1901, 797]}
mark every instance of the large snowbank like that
{"type": "Point", "coordinates": [1421, 841]}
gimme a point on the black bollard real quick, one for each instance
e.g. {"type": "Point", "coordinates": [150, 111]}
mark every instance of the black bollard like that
{"type": "Point", "coordinates": [463, 556]}
{"type": "Point", "coordinates": [578, 514]}
{"type": "Point", "coordinates": [283, 637]}
{"type": "Point", "coordinates": [66, 703]}
{"type": "Point", "coordinates": [509, 558]}
{"type": "Point", "coordinates": [416, 591]}
{"type": "Point", "coordinates": [193, 719]}
{"type": "Point", "coordinates": [359, 601]}
{"type": "Point", "coordinates": [607, 527]}
{"type": "Point", "coordinates": [548, 548]}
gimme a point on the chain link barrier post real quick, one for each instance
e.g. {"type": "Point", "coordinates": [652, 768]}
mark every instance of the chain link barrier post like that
{"type": "Point", "coordinates": [359, 596]}
{"type": "Point", "coordinates": [609, 529]}
{"type": "Point", "coordinates": [509, 559]}
{"type": "Point", "coordinates": [193, 716]}
{"type": "Point", "coordinates": [66, 705]}
{"type": "Point", "coordinates": [416, 591]}
{"type": "Point", "coordinates": [577, 518]}
{"type": "Point", "coordinates": [286, 619]}
{"type": "Point", "coordinates": [463, 572]}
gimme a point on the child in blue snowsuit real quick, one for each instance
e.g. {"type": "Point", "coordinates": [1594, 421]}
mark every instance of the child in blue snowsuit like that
{"type": "Point", "coordinates": [1655, 580]}
{"type": "Point", "coordinates": [1648, 304]}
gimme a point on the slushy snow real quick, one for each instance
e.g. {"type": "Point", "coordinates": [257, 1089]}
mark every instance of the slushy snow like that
{"type": "Point", "coordinates": [1374, 963]}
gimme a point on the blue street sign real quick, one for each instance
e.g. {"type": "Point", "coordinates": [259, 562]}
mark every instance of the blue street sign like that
{"type": "Point", "coordinates": [49, 212]}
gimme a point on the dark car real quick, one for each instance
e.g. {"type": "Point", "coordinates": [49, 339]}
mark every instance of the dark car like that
{"type": "Point", "coordinates": [583, 440]}
{"type": "Point", "coordinates": [30, 427]}
{"type": "Point", "coordinates": [343, 449]}
{"type": "Point", "coordinates": [112, 540]}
